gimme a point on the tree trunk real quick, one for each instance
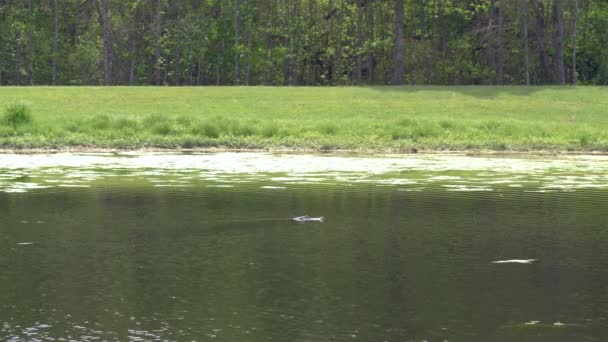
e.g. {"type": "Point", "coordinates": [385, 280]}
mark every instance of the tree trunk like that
{"type": "Point", "coordinates": [132, 56]}
{"type": "Point", "coordinates": [30, 41]}
{"type": "Point", "coordinates": [18, 60]}
{"type": "Point", "coordinates": [399, 43]}
{"type": "Point", "coordinates": [177, 42]}
{"type": "Point", "coordinates": [558, 18]}
{"type": "Point", "coordinates": [166, 72]}
{"type": "Point", "coordinates": [314, 66]}
{"type": "Point", "coordinates": [425, 56]}
{"type": "Point", "coordinates": [371, 37]}
{"type": "Point", "coordinates": [176, 63]}
{"type": "Point", "coordinates": [107, 50]}
{"type": "Point", "coordinates": [545, 75]}
{"type": "Point", "coordinates": [443, 46]}
{"type": "Point", "coordinates": [201, 55]}
{"type": "Point", "coordinates": [500, 55]}
{"type": "Point", "coordinates": [268, 71]}
{"type": "Point", "coordinates": [199, 71]}
{"type": "Point", "coordinates": [157, 67]}
{"type": "Point", "coordinates": [248, 67]}
{"type": "Point", "coordinates": [188, 55]}
{"type": "Point", "coordinates": [18, 47]}
{"type": "Point", "coordinates": [297, 41]}
{"type": "Point", "coordinates": [217, 70]}
{"type": "Point", "coordinates": [585, 21]}
{"type": "Point", "coordinates": [55, 43]}
{"type": "Point", "coordinates": [387, 17]}
{"type": "Point", "coordinates": [524, 18]}
{"type": "Point", "coordinates": [574, 33]}
{"type": "Point", "coordinates": [606, 69]}
{"type": "Point", "coordinates": [218, 74]}
{"type": "Point", "coordinates": [288, 48]}
{"type": "Point", "coordinates": [338, 65]}
{"type": "Point", "coordinates": [360, 42]}
{"type": "Point", "coordinates": [237, 37]}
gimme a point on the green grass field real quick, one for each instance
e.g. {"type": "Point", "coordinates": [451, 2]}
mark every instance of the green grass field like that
{"type": "Point", "coordinates": [371, 119]}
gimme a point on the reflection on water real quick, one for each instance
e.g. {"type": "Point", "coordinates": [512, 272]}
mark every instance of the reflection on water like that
{"type": "Point", "coordinates": [200, 247]}
{"type": "Point", "coordinates": [22, 173]}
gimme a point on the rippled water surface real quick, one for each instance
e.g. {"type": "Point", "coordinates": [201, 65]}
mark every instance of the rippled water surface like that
{"type": "Point", "coordinates": [200, 247]}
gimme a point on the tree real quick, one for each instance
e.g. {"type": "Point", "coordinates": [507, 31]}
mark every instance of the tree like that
{"type": "Point", "coordinates": [55, 43]}
{"type": "Point", "coordinates": [558, 39]}
{"type": "Point", "coordinates": [574, 33]}
{"type": "Point", "coordinates": [107, 49]}
{"type": "Point", "coordinates": [158, 61]}
{"type": "Point", "coordinates": [303, 42]}
{"type": "Point", "coordinates": [30, 44]}
{"type": "Point", "coordinates": [399, 43]}
{"type": "Point", "coordinates": [237, 37]}
{"type": "Point", "coordinates": [545, 74]}
{"type": "Point", "coordinates": [500, 43]}
{"type": "Point", "coordinates": [524, 19]}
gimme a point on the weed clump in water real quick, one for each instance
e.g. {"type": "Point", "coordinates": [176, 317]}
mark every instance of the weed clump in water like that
{"type": "Point", "coordinates": [17, 114]}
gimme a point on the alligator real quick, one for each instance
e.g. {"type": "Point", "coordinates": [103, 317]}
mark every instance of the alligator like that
{"type": "Point", "coordinates": [515, 261]}
{"type": "Point", "coordinates": [307, 219]}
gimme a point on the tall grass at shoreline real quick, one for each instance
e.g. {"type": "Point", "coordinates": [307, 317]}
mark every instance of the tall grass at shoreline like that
{"type": "Point", "coordinates": [377, 118]}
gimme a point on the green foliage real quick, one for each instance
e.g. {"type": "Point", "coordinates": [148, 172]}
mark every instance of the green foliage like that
{"type": "Point", "coordinates": [17, 114]}
{"type": "Point", "coordinates": [162, 128]}
{"type": "Point", "coordinates": [269, 130]}
{"type": "Point", "coordinates": [377, 118]}
{"type": "Point", "coordinates": [317, 42]}
{"type": "Point", "coordinates": [328, 129]}
{"type": "Point", "coordinates": [207, 128]}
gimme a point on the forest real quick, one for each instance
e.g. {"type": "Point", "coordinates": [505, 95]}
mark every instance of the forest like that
{"type": "Point", "coordinates": [303, 42]}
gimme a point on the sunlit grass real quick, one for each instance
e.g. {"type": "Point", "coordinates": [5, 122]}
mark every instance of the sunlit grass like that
{"type": "Point", "coordinates": [379, 118]}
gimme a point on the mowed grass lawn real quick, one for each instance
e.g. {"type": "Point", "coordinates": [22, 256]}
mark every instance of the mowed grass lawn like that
{"type": "Point", "coordinates": [311, 118]}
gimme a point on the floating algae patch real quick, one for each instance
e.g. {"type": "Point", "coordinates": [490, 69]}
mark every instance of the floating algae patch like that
{"type": "Point", "coordinates": [170, 185]}
{"type": "Point", "coordinates": [272, 187]}
{"type": "Point", "coordinates": [20, 186]}
{"type": "Point", "coordinates": [448, 172]}
{"type": "Point", "coordinates": [451, 187]}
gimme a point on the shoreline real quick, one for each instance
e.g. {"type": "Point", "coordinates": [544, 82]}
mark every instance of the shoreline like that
{"type": "Point", "coordinates": [480, 152]}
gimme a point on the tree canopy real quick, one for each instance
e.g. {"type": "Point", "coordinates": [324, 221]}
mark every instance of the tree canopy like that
{"type": "Point", "coordinates": [303, 42]}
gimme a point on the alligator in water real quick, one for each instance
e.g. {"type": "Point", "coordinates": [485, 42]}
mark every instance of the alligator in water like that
{"type": "Point", "coordinates": [307, 219]}
{"type": "Point", "coordinates": [515, 261]}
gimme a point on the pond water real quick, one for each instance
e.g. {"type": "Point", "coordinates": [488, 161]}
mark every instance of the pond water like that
{"type": "Point", "coordinates": [199, 247]}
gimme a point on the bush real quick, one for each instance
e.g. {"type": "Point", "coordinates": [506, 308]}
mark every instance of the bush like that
{"type": "Point", "coordinates": [153, 119]}
{"type": "Point", "coordinates": [17, 114]}
{"type": "Point", "coordinates": [328, 129]}
{"type": "Point", "coordinates": [162, 128]}
{"type": "Point", "coordinates": [241, 129]}
{"type": "Point", "coordinates": [100, 122]}
{"type": "Point", "coordinates": [269, 130]}
{"type": "Point", "coordinates": [208, 129]}
{"type": "Point", "coordinates": [124, 123]}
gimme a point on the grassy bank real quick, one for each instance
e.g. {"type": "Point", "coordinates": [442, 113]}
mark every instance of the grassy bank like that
{"type": "Point", "coordinates": [377, 118]}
